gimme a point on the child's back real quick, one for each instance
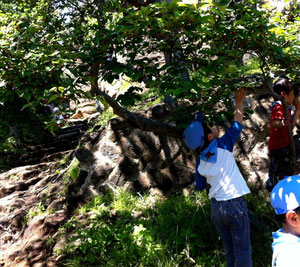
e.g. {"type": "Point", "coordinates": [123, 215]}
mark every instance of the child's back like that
{"type": "Point", "coordinates": [279, 142]}
{"type": "Point", "coordinates": [216, 166]}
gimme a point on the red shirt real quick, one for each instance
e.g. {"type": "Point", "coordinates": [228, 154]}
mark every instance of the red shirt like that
{"type": "Point", "coordinates": [279, 137]}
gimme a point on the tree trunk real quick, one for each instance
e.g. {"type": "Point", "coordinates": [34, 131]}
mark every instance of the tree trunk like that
{"type": "Point", "coordinates": [293, 149]}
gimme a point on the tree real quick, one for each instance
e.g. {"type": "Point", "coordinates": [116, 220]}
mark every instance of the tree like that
{"type": "Point", "coordinates": [50, 48]}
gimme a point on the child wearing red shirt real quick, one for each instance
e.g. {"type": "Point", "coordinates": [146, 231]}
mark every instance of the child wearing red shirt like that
{"type": "Point", "coordinates": [279, 142]}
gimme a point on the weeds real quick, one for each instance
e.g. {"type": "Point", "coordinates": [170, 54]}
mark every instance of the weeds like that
{"type": "Point", "coordinates": [72, 172]}
{"type": "Point", "coordinates": [37, 210]}
{"type": "Point", "coordinates": [106, 115]}
{"type": "Point", "coordinates": [126, 229]}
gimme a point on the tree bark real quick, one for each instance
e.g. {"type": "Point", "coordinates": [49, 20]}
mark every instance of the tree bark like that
{"type": "Point", "coordinates": [136, 120]}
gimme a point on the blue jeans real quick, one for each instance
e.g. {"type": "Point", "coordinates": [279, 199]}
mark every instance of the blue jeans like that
{"type": "Point", "coordinates": [232, 223]}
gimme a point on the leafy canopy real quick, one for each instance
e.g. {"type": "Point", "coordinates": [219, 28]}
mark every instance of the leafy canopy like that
{"type": "Point", "coordinates": [194, 52]}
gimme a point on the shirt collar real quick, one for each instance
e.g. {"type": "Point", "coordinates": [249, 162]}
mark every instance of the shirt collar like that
{"type": "Point", "coordinates": [209, 154]}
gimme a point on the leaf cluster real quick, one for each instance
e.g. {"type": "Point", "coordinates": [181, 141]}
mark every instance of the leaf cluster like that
{"type": "Point", "coordinates": [194, 52]}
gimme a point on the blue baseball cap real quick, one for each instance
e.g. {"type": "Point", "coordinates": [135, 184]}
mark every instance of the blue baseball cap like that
{"type": "Point", "coordinates": [193, 135]}
{"type": "Point", "coordinates": [285, 196]}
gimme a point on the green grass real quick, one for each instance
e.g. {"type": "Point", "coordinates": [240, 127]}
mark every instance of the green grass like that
{"type": "Point", "coordinates": [126, 229]}
{"type": "Point", "coordinates": [102, 120]}
{"type": "Point", "coordinates": [73, 171]}
{"type": "Point", "coordinates": [38, 210]}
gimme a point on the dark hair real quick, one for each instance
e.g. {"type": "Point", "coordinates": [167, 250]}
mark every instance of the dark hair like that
{"type": "Point", "coordinates": [296, 87]}
{"type": "Point", "coordinates": [282, 217]}
{"type": "Point", "coordinates": [206, 132]}
{"type": "Point", "coordinates": [282, 85]}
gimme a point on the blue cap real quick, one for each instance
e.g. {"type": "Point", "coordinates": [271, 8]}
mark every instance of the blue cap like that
{"type": "Point", "coordinates": [285, 196]}
{"type": "Point", "coordinates": [193, 135]}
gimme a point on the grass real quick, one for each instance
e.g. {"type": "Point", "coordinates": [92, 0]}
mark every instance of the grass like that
{"type": "Point", "coordinates": [73, 171]}
{"type": "Point", "coordinates": [129, 229]}
{"type": "Point", "coordinates": [38, 210]}
{"type": "Point", "coordinates": [125, 229]}
{"type": "Point", "coordinates": [102, 120]}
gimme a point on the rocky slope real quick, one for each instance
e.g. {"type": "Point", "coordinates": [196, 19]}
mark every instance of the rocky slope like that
{"type": "Point", "coordinates": [39, 196]}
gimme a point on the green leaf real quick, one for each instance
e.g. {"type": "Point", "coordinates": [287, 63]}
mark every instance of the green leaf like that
{"type": "Point", "coordinates": [223, 2]}
{"type": "Point", "coordinates": [26, 106]}
{"type": "Point", "coordinates": [27, 96]}
{"type": "Point", "coordinates": [83, 247]}
{"type": "Point", "coordinates": [52, 98]}
{"type": "Point", "coordinates": [90, 258]}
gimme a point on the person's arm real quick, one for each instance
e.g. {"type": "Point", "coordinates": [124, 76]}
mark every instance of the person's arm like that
{"type": "Point", "coordinates": [280, 123]}
{"type": "Point", "coordinates": [277, 116]}
{"type": "Point", "coordinates": [239, 100]}
{"type": "Point", "coordinates": [297, 111]}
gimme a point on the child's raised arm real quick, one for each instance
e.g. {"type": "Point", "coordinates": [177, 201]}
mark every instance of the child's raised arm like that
{"type": "Point", "coordinates": [239, 99]}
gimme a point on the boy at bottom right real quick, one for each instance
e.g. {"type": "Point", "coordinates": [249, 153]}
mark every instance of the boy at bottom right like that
{"type": "Point", "coordinates": [285, 199]}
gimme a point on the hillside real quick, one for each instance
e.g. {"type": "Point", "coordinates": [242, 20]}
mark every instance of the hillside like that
{"type": "Point", "coordinates": [40, 198]}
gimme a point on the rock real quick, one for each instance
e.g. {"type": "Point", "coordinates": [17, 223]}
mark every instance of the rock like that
{"type": "Point", "coordinates": [84, 155]}
{"type": "Point", "coordinates": [7, 237]}
{"type": "Point", "coordinates": [56, 204]}
{"type": "Point", "coordinates": [37, 199]}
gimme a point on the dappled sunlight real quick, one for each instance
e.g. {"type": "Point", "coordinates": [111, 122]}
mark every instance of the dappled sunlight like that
{"type": "Point", "coordinates": [147, 229]}
{"type": "Point", "coordinates": [144, 68]}
{"type": "Point", "coordinates": [142, 229]}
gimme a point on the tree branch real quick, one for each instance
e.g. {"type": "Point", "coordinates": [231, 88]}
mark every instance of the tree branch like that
{"type": "Point", "coordinates": [139, 3]}
{"type": "Point", "coordinates": [136, 120]}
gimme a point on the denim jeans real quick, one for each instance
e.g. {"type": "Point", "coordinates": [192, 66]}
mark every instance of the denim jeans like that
{"type": "Point", "coordinates": [232, 223]}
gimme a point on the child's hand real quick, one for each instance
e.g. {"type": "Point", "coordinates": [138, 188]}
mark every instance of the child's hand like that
{"type": "Point", "coordinates": [239, 98]}
{"type": "Point", "coordinates": [240, 94]}
{"type": "Point", "coordinates": [281, 123]}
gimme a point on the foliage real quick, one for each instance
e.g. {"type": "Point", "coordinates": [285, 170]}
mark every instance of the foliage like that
{"type": "Point", "coordinates": [73, 171]}
{"type": "Point", "coordinates": [193, 52]}
{"type": "Point", "coordinates": [50, 48]}
{"type": "Point", "coordinates": [283, 57]}
{"type": "Point", "coordinates": [133, 230]}
{"type": "Point", "coordinates": [38, 210]}
{"type": "Point", "coordinates": [17, 129]}
{"type": "Point", "coordinates": [102, 120]}
{"type": "Point", "coordinates": [128, 229]}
